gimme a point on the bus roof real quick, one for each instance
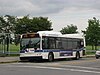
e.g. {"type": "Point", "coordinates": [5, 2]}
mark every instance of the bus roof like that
{"type": "Point", "coordinates": [49, 33]}
{"type": "Point", "coordinates": [80, 36]}
{"type": "Point", "coordinates": [54, 34]}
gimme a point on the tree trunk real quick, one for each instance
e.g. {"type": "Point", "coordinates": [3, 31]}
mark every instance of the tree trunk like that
{"type": "Point", "coordinates": [95, 47]}
{"type": "Point", "coordinates": [92, 47]}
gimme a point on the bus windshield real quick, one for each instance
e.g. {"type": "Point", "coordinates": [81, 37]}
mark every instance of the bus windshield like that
{"type": "Point", "coordinates": [30, 42]}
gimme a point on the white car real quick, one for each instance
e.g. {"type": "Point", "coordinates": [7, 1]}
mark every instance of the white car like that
{"type": "Point", "coordinates": [97, 54]}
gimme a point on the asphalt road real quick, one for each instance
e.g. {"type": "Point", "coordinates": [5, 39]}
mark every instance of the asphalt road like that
{"type": "Point", "coordinates": [84, 66]}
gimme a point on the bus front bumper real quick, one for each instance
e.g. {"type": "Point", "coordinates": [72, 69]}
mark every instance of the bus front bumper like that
{"type": "Point", "coordinates": [31, 58]}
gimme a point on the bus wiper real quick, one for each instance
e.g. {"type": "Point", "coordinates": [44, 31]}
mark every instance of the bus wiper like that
{"type": "Point", "coordinates": [24, 47]}
{"type": "Point", "coordinates": [36, 44]}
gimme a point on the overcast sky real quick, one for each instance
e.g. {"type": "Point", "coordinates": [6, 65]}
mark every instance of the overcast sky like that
{"type": "Point", "coordinates": [60, 12]}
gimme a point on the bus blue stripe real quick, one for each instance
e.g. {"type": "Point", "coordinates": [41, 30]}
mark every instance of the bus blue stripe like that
{"type": "Point", "coordinates": [53, 50]}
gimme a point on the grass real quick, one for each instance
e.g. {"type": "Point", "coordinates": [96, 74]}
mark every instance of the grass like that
{"type": "Point", "coordinates": [90, 47]}
{"type": "Point", "coordinates": [14, 48]}
{"type": "Point", "coordinates": [91, 52]}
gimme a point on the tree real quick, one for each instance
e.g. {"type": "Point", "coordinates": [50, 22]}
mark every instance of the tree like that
{"type": "Point", "coordinates": [26, 24]}
{"type": "Point", "coordinates": [2, 24]}
{"type": "Point", "coordinates": [41, 24]}
{"type": "Point", "coordinates": [70, 29]}
{"type": "Point", "coordinates": [93, 32]}
{"type": "Point", "coordinates": [23, 25]}
{"type": "Point", "coordinates": [7, 24]}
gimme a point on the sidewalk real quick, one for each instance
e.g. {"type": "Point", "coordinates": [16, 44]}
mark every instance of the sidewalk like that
{"type": "Point", "coordinates": [9, 59]}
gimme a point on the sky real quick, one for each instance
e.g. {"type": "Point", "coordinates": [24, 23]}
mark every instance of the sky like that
{"type": "Point", "coordinates": [60, 12]}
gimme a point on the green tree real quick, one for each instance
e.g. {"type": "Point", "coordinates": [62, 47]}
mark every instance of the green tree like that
{"type": "Point", "coordinates": [93, 32]}
{"type": "Point", "coordinates": [22, 25]}
{"type": "Point", "coordinates": [2, 24]}
{"type": "Point", "coordinates": [70, 29]}
{"type": "Point", "coordinates": [26, 24]}
{"type": "Point", "coordinates": [7, 24]}
{"type": "Point", "coordinates": [41, 24]}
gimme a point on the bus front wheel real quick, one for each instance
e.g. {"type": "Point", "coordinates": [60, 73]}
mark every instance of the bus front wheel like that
{"type": "Point", "coordinates": [50, 57]}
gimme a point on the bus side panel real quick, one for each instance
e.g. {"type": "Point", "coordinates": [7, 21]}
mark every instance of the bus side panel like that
{"type": "Point", "coordinates": [74, 54]}
{"type": "Point", "coordinates": [56, 55]}
{"type": "Point", "coordinates": [45, 55]}
{"type": "Point", "coordinates": [67, 55]}
{"type": "Point", "coordinates": [82, 53]}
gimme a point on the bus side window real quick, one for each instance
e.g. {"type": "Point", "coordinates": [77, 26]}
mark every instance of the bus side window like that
{"type": "Point", "coordinates": [45, 43]}
{"type": "Point", "coordinates": [82, 44]}
{"type": "Point", "coordinates": [52, 44]}
{"type": "Point", "coordinates": [58, 43]}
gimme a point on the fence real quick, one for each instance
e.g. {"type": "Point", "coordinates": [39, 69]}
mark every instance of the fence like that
{"type": "Point", "coordinates": [7, 45]}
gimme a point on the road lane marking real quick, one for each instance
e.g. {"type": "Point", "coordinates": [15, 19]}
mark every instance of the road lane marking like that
{"type": "Point", "coordinates": [56, 68]}
{"type": "Point", "coordinates": [82, 67]}
{"type": "Point", "coordinates": [79, 62]}
{"type": "Point", "coordinates": [59, 65]}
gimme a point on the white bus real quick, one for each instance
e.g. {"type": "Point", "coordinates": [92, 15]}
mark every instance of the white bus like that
{"type": "Point", "coordinates": [51, 45]}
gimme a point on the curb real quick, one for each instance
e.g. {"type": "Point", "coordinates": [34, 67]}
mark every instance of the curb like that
{"type": "Point", "coordinates": [8, 62]}
{"type": "Point", "coordinates": [89, 56]}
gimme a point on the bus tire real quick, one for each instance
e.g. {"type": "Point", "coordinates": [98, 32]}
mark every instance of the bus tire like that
{"type": "Point", "coordinates": [84, 52]}
{"type": "Point", "coordinates": [77, 56]}
{"type": "Point", "coordinates": [97, 57]}
{"type": "Point", "coordinates": [50, 57]}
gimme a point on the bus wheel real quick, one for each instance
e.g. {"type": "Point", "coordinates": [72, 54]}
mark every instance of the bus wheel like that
{"type": "Point", "coordinates": [50, 57]}
{"type": "Point", "coordinates": [77, 56]}
{"type": "Point", "coordinates": [97, 57]}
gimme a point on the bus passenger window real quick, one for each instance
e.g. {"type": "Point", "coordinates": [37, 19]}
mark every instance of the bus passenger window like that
{"type": "Point", "coordinates": [52, 43]}
{"type": "Point", "coordinates": [45, 43]}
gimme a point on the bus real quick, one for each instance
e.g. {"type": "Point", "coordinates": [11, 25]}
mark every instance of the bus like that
{"type": "Point", "coordinates": [51, 45]}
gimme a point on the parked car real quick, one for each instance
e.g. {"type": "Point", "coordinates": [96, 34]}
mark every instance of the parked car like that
{"type": "Point", "coordinates": [97, 54]}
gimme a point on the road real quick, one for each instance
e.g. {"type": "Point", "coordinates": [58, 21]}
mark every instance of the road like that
{"type": "Point", "coordinates": [84, 66]}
